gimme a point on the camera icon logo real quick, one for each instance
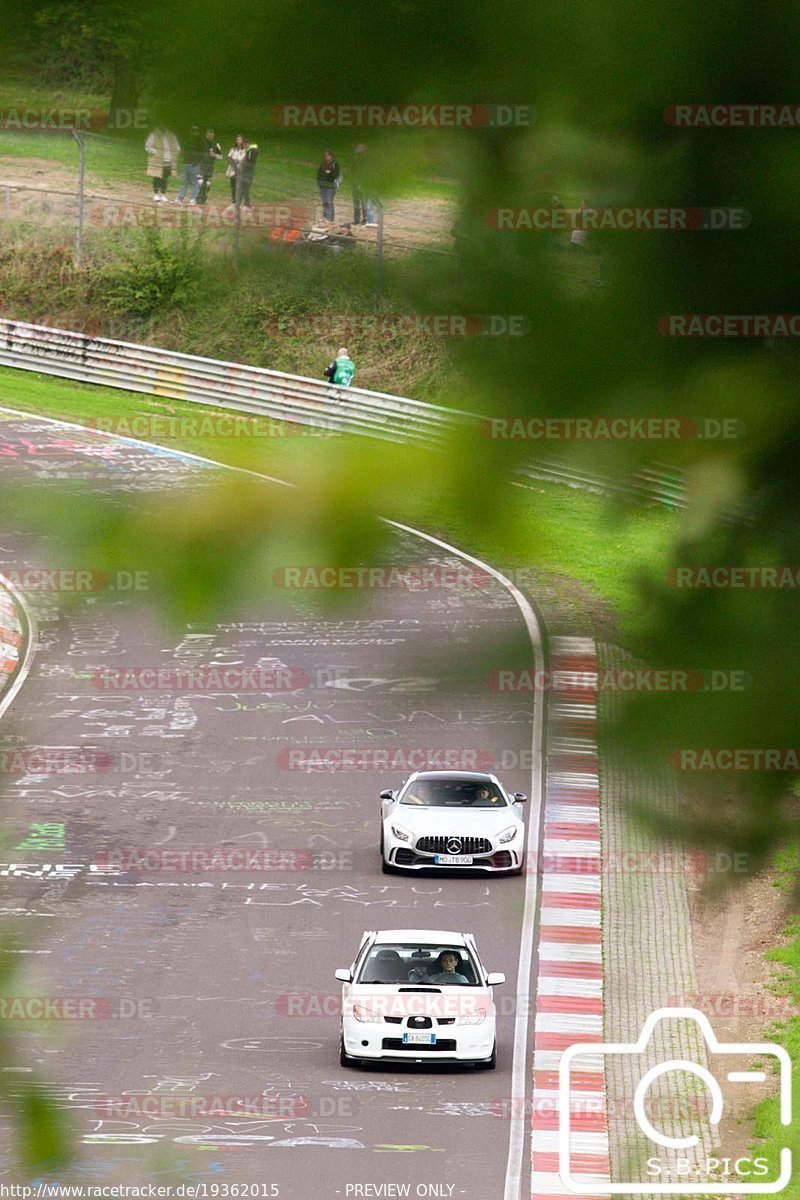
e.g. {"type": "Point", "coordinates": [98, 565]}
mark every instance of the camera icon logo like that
{"type": "Point", "coordinates": [745, 1181]}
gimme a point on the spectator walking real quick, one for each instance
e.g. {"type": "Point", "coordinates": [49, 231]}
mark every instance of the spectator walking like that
{"type": "Point", "coordinates": [341, 370]}
{"type": "Point", "coordinates": [245, 173]}
{"type": "Point", "coordinates": [162, 149]}
{"type": "Point", "coordinates": [579, 234]}
{"type": "Point", "coordinates": [235, 156]}
{"type": "Point", "coordinates": [363, 207]}
{"type": "Point", "coordinates": [192, 156]}
{"type": "Point", "coordinates": [328, 179]}
{"type": "Point", "coordinates": [211, 153]}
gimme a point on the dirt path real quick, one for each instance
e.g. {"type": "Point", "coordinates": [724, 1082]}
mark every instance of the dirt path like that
{"type": "Point", "coordinates": [40, 190]}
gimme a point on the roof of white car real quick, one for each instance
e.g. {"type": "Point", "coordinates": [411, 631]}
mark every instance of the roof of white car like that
{"type": "Point", "coordinates": [452, 775]}
{"type": "Point", "coordinates": [424, 936]}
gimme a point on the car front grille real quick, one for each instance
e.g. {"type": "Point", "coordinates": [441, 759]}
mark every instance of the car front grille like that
{"type": "Point", "coordinates": [466, 845]}
{"type": "Point", "coordinates": [501, 860]}
{"type": "Point", "coordinates": [416, 1025]}
{"type": "Point", "coordinates": [445, 1046]}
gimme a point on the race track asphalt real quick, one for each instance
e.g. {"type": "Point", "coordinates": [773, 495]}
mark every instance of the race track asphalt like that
{"type": "Point", "coordinates": [213, 965]}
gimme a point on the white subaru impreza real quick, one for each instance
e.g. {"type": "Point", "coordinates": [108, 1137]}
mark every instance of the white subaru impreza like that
{"type": "Point", "coordinates": [452, 819]}
{"type": "Point", "coordinates": [418, 995]}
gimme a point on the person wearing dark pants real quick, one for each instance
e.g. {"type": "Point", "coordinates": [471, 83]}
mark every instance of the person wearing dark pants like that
{"type": "Point", "coordinates": [211, 152]}
{"type": "Point", "coordinates": [160, 183]}
{"type": "Point", "coordinates": [328, 177]}
{"type": "Point", "coordinates": [191, 166]}
{"type": "Point", "coordinates": [245, 173]}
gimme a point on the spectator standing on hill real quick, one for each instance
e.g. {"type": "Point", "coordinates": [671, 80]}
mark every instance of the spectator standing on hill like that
{"type": "Point", "coordinates": [211, 153]}
{"type": "Point", "coordinates": [162, 149]}
{"type": "Point", "coordinates": [328, 179]}
{"type": "Point", "coordinates": [245, 173]}
{"type": "Point", "coordinates": [192, 156]}
{"type": "Point", "coordinates": [235, 155]}
{"type": "Point", "coordinates": [361, 202]}
{"type": "Point", "coordinates": [341, 370]}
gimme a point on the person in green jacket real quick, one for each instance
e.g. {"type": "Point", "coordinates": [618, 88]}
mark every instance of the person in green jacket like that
{"type": "Point", "coordinates": [342, 369]}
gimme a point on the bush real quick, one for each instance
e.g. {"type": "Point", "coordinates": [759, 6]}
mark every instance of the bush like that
{"type": "Point", "coordinates": [150, 275]}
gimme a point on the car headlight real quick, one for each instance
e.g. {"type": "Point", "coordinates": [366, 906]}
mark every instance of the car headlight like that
{"type": "Point", "coordinates": [401, 833]}
{"type": "Point", "coordinates": [365, 1015]}
{"type": "Point", "coordinates": [509, 834]}
{"type": "Point", "coordinates": [473, 1018]}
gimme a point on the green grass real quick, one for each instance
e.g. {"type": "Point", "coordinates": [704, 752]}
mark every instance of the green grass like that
{"type": "Point", "coordinates": [569, 535]}
{"type": "Point", "coordinates": [287, 311]}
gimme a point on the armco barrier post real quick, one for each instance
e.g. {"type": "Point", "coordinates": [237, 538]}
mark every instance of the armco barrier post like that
{"type": "Point", "coordinates": [379, 258]}
{"type": "Point", "coordinates": [81, 171]}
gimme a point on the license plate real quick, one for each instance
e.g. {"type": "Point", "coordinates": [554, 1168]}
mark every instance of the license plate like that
{"type": "Point", "coordinates": [419, 1039]}
{"type": "Point", "coordinates": [453, 860]}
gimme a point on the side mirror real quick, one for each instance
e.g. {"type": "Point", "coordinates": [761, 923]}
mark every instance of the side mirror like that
{"type": "Point", "coordinates": [387, 795]}
{"type": "Point", "coordinates": [343, 975]}
{"type": "Point", "coordinates": [519, 797]}
{"type": "Point", "coordinates": [494, 978]}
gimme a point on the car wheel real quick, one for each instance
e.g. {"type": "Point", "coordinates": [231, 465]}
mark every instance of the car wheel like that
{"type": "Point", "coordinates": [489, 1064]}
{"type": "Point", "coordinates": [344, 1058]}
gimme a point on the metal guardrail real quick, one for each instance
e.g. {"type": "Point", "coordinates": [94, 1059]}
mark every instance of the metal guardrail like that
{"type": "Point", "coordinates": [256, 391]}
{"type": "Point", "coordinates": [658, 483]}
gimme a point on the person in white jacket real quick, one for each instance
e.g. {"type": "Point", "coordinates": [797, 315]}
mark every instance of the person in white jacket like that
{"type": "Point", "coordinates": [235, 156]}
{"type": "Point", "coordinates": [162, 149]}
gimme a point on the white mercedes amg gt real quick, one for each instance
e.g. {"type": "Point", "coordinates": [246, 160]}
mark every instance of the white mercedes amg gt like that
{"type": "Point", "coordinates": [452, 820]}
{"type": "Point", "coordinates": [418, 995]}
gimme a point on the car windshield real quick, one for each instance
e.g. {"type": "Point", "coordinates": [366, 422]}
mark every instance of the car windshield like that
{"type": "Point", "coordinates": [454, 793]}
{"type": "Point", "coordinates": [412, 963]}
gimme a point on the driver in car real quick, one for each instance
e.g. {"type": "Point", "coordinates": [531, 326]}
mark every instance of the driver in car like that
{"type": "Point", "coordinates": [448, 963]}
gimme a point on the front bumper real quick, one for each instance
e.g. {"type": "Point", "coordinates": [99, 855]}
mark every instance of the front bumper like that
{"type": "Point", "coordinates": [405, 858]}
{"type": "Point", "coordinates": [464, 1043]}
